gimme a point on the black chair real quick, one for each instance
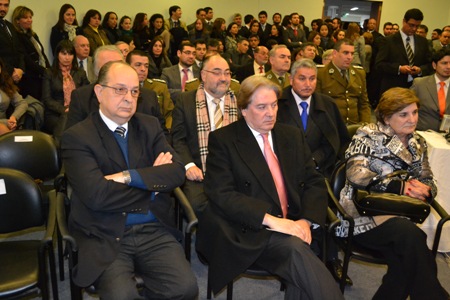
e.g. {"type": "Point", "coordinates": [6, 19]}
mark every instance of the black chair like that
{"type": "Point", "coordinates": [357, 251]}
{"type": "Point", "coordinates": [182, 208]}
{"type": "Point", "coordinates": [23, 262]}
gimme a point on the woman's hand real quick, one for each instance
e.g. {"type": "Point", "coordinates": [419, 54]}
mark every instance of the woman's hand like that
{"type": "Point", "coordinates": [416, 189]}
{"type": "Point", "coordinates": [12, 123]}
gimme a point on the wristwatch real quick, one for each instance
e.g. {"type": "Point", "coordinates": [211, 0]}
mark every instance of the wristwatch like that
{"type": "Point", "coordinates": [126, 177]}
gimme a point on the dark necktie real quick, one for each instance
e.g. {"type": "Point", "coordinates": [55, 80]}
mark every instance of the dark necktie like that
{"type": "Point", "coordinates": [304, 114]}
{"type": "Point", "coordinates": [81, 64]}
{"type": "Point", "coordinates": [120, 131]}
{"type": "Point", "coordinates": [281, 80]}
{"type": "Point", "coordinates": [4, 27]}
{"type": "Point", "coordinates": [344, 75]}
{"type": "Point", "coordinates": [409, 52]}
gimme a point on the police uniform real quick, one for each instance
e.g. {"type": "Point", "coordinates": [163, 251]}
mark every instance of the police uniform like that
{"type": "Point", "coordinates": [350, 95]}
{"type": "Point", "coordinates": [166, 105]}
{"type": "Point", "coordinates": [193, 84]}
{"type": "Point", "coordinates": [286, 82]}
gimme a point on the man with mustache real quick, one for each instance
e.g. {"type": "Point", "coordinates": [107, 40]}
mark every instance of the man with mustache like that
{"type": "Point", "coordinates": [346, 84]}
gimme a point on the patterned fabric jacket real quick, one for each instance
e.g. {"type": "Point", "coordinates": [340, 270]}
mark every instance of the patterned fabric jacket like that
{"type": "Point", "coordinates": [376, 150]}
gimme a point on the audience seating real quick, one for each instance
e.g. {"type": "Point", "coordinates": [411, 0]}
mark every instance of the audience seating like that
{"type": "Point", "coordinates": [24, 261]}
{"type": "Point", "coordinates": [357, 251]}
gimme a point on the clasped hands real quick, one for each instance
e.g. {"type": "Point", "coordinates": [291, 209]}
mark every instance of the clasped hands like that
{"type": "Point", "coordinates": [162, 159]}
{"type": "Point", "coordinates": [416, 189]}
{"type": "Point", "coordinates": [411, 70]}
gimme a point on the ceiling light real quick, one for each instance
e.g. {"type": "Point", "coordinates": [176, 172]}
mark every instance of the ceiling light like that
{"type": "Point", "coordinates": [354, 8]}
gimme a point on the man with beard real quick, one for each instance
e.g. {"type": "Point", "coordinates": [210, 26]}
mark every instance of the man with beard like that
{"type": "Point", "coordinates": [196, 114]}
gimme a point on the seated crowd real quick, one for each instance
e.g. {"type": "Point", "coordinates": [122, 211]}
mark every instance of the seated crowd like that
{"type": "Point", "coordinates": [250, 158]}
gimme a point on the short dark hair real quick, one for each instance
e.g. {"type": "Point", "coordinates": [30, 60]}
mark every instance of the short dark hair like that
{"type": "Point", "coordinates": [199, 42]}
{"type": "Point", "coordinates": [424, 27]}
{"type": "Point", "coordinates": [338, 19]}
{"type": "Point", "coordinates": [241, 39]}
{"type": "Point", "coordinates": [307, 44]}
{"type": "Point", "coordinates": [439, 31]}
{"type": "Point", "coordinates": [276, 14]}
{"type": "Point", "coordinates": [199, 10]}
{"type": "Point", "coordinates": [263, 12]}
{"type": "Point", "coordinates": [213, 43]}
{"type": "Point", "coordinates": [185, 44]}
{"type": "Point", "coordinates": [293, 14]}
{"type": "Point", "coordinates": [135, 53]}
{"type": "Point", "coordinates": [413, 13]}
{"type": "Point", "coordinates": [339, 43]}
{"type": "Point", "coordinates": [387, 24]}
{"type": "Point", "coordinates": [253, 35]}
{"type": "Point", "coordinates": [207, 9]}
{"type": "Point", "coordinates": [173, 9]}
{"type": "Point", "coordinates": [440, 54]}
{"type": "Point", "coordinates": [248, 19]}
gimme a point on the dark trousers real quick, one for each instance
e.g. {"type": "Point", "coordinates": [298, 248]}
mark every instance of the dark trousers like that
{"type": "Point", "coordinates": [412, 268]}
{"type": "Point", "coordinates": [305, 276]}
{"type": "Point", "coordinates": [150, 251]}
{"type": "Point", "coordinates": [196, 195]}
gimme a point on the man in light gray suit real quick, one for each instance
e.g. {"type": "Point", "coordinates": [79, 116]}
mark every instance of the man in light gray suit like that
{"type": "Point", "coordinates": [82, 48]}
{"type": "Point", "coordinates": [427, 89]}
{"type": "Point", "coordinates": [186, 68]}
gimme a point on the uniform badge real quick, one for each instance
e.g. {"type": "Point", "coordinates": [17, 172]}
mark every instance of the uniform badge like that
{"type": "Point", "coordinates": [331, 71]}
{"type": "Point", "coordinates": [269, 76]}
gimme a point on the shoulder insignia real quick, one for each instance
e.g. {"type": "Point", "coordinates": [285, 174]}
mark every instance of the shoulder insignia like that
{"type": "Point", "coordinates": [352, 72]}
{"type": "Point", "coordinates": [192, 80]}
{"type": "Point", "coordinates": [320, 66]}
{"type": "Point", "coordinates": [331, 71]}
{"type": "Point", "coordinates": [235, 80]}
{"type": "Point", "coordinates": [159, 80]}
{"type": "Point", "coordinates": [358, 67]}
{"type": "Point", "coordinates": [149, 80]}
{"type": "Point", "coordinates": [269, 76]}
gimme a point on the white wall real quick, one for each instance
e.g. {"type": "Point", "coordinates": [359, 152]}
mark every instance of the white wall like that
{"type": "Point", "coordinates": [437, 12]}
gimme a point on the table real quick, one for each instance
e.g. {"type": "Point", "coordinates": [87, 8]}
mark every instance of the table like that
{"type": "Point", "coordinates": [439, 158]}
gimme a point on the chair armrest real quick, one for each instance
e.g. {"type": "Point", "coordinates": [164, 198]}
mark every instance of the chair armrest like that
{"type": "Point", "coordinates": [62, 223]}
{"type": "Point", "coordinates": [444, 218]}
{"type": "Point", "coordinates": [332, 219]}
{"type": "Point", "coordinates": [51, 218]}
{"type": "Point", "coordinates": [192, 220]}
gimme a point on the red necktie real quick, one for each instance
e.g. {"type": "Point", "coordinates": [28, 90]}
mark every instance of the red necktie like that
{"type": "Point", "coordinates": [277, 176]}
{"type": "Point", "coordinates": [295, 32]}
{"type": "Point", "coordinates": [441, 98]}
{"type": "Point", "coordinates": [185, 78]}
{"type": "Point", "coordinates": [261, 69]}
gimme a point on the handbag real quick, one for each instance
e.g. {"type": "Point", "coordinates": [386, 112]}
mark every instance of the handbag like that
{"type": "Point", "coordinates": [375, 204]}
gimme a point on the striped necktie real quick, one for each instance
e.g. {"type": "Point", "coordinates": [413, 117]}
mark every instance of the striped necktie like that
{"type": "Point", "coordinates": [120, 131]}
{"type": "Point", "coordinates": [218, 116]}
{"type": "Point", "coordinates": [409, 52]}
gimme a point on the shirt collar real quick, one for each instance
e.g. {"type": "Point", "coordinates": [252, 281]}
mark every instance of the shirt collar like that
{"type": "Point", "coordinates": [111, 124]}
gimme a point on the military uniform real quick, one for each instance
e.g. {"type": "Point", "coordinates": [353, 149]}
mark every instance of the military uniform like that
{"type": "Point", "coordinates": [166, 105]}
{"type": "Point", "coordinates": [193, 84]}
{"type": "Point", "coordinates": [350, 95]}
{"type": "Point", "coordinates": [286, 79]}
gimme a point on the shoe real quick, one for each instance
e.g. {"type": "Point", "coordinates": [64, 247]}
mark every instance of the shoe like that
{"type": "Point", "coordinates": [335, 268]}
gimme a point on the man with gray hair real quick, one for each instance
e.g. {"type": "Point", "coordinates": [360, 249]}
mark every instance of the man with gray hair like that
{"type": "Point", "coordinates": [85, 62]}
{"type": "Point", "coordinates": [84, 100]}
{"type": "Point", "coordinates": [280, 60]}
{"type": "Point", "coordinates": [319, 120]}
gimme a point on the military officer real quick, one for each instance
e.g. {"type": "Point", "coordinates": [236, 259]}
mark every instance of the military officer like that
{"type": "Point", "coordinates": [346, 84]}
{"type": "Point", "coordinates": [280, 60]}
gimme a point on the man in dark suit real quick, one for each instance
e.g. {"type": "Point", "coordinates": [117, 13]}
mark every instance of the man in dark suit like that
{"type": "Point", "coordinates": [294, 35]}
{"type": "Point", "coordinates": [245, 30]}
{"type": "Point", "coordinates": [84, 100]}
{"type": "Point", "coordinates": [428, 88]}
{"type": "Point", "coordinates": [264, 27]}
{"type": "Point", "coordinates": [194, 119]}
{"type": "Point", "coordinates": [260, 215]}
{"type": "Point", "coordinates": [11, 50]}
{"type": "Point", "coordinates": [82, 48]}
{"type": "Point", "coordinates": [398, 68]}
{"type": "Point", "coordinates": [121, 169]}
{"type": "Point", "coordinates": [185, 70]}
{"type": "Point", "coordinates": [259, 65]}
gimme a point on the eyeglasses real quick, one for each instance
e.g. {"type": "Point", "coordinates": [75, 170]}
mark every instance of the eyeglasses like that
{"type": "Point", "coordinates": [219, 73]}
{"type": "Point", "coordinates": [123, 91]}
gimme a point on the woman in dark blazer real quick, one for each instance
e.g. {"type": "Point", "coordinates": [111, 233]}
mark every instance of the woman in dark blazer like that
{"type": "Point", "coordinates": [94, 31]}
{"type": "Point", "coordinates": [66, 28]}
{"type": "Point", "coordinates": [158, 59]}
{"type": "Point", "coordinates": [35, 59]}
{"type": "Point", "coordinates": [59, 81]}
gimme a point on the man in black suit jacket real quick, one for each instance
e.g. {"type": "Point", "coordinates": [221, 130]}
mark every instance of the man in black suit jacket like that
{"type": "Point", "coordinates": [84, 100]}
{"type": "Point", "coordinates": [11, 50]}
{"type": "Point", "coordinates": [325, 133]}
{"type": "Point", "coordinates": [392, 59]}
{"type": "Point", "coordinates": [121, 169]}
{"type": "Point", "coordinates": [245, 222]}
{"type": "Point", "coordinates": [294, 35]}
{"type": "Point", "coordinates": [259, 65]}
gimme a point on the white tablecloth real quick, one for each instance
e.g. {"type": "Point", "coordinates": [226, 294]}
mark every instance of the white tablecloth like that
{"type": "Point", "coordinates": [439, 157]}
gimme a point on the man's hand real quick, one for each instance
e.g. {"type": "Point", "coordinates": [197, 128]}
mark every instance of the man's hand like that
{"type": "Point", "coordinates": [415, 70]}
{"type": "Point", "coordinates": [405, 69]}
{"type": "Point", "coordinates": [194, 174]}
{"type": "Point", "coordinates": [117, 177]}
{"type": "Point", "coordinates": [163, 159]}
{"type": "Point", "coordinates": [299, 228]}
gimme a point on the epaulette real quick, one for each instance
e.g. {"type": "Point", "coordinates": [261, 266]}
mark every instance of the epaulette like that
{"type": "Point", "coordinates": [320, 66]}
{"type": "Point", "coordinates": [358, 67]}
{"type": "Point", "coordinates": [159, 80]}
{"type": "Point", "coordinates": [192, 80]}
{"type": "Point", "coordinates": [235, 80]}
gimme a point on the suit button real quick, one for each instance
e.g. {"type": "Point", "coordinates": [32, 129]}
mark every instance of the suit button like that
{"type": "Point", "coordinates": [124, 214]}
{"type": "Point", "coordinates": [117, 239]}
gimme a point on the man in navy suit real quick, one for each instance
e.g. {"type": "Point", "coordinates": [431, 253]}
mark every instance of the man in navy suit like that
{"type": "Point", "coordinates": [255, 217]}
{"type": "Point", "coordinates": [121, 169]}
{"type": "Point", "coordinates": [10, 50]}
{"type": "Point", "coordinates": [392, 60]}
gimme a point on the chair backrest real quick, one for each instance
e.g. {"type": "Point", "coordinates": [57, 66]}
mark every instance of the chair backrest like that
{"type": "Point", "coordinates": [338, 179]}
{"type": "Point", "coordinates": [30, 151]}
{"type": "Point", "coordinates": [21, 201]}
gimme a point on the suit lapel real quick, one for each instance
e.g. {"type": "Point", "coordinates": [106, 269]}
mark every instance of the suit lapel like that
{"type": "Point", "coordinates": [251, 154]}
{"type": "Point", "coordinates": [293, 109]}
{"type": "Point", "coordinates": [135, 151]}
{"type": "Point", "coordinates": [432, 89]}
